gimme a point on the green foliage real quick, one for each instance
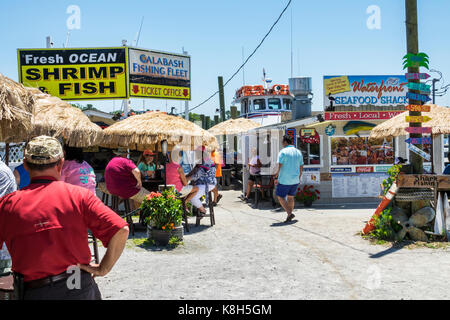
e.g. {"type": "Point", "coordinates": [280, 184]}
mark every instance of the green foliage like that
{"type": "Point", "coordinates": [393, 174]}
{"type": "Point", "coordinates": [385, 227]}
{"type": "Point", "coordinates": [175, 241]}
{"type": "Point", "coordinates": [162, 210]}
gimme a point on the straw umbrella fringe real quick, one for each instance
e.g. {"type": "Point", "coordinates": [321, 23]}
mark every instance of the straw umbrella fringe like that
{"type": "Point", "coordinates": [440, 123]}
{"type": "Point", "coordinates": [16, 110]}
{"type": "Point", "coordinates": [57, 118]}
{"type": "Point", "coordinates": [233, 126]}
{"type": "Point", "coordinates": [148, 129]}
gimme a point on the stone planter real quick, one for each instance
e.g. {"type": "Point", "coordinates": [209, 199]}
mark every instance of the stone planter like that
{"type": "Point", "coordinates": [308, 203]}
{"type": "Point", "coordinates": [162, 237]}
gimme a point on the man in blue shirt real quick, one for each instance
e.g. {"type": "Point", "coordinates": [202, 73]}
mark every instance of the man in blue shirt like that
{"type": "Point", "coordinates": [287, 177]}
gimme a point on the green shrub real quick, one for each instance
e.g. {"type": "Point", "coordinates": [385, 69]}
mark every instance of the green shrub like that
{"type": "Point", "coordinates": [385, 227]}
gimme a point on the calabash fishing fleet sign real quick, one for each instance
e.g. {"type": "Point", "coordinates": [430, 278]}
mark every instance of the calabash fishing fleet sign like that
{"type": "Point", "coordinates": [356, 91]}
{"type": "Point", "coordinates": [75, 74]}
{"type": "Point", "coordinates": [159, 75]}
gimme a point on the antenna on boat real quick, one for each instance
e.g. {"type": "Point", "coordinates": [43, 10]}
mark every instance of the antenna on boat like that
{"type": "Point", "coordinates": [292, 55]}
{"type": "Point", "coordinates": [136, 40]}
{"type": "Point", "coordinates": [243, 73]}
{"type": "Point", "coordinates": [265, 80]}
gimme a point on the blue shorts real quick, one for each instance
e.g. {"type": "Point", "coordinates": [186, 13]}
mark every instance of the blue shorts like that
{"type": "Point", "coordinates": [284, 190]}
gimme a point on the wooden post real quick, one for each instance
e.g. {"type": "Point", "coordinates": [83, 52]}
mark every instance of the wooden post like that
{"type": "Point", "coordinates": [7, 154]}
{"type": "Point", "coordinates": [412, 44]}
{"type": "Point", "coordinates": [202, 119]}
{"type": "Point", "coordinates": [207, 122]}
{"type": "Point", "coordinates": [233, 110]}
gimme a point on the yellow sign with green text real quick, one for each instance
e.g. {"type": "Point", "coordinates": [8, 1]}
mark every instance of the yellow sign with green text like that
{"type": "Point", "coordinates": [76, 74]}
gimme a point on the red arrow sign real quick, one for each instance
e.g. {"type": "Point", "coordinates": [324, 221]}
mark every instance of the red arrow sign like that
{"type": "Point", "coordinates": [418, 129]}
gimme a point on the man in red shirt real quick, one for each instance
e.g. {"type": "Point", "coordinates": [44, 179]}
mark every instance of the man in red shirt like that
{"type": "Point", "coordinates": [123, 178]}
{"type": "Point", "coordinates": [45, 227]}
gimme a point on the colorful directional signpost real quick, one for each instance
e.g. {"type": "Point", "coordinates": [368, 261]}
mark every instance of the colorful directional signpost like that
{"type": "Point", "coordinates": [418, 97]}
{"type": "Point", "coordinates": [420, 152]}
{"type": "Point", "coordinates": [417, 118]}
{"type": "Point", "coordinates": [425, 140]}
{"type": "Point", "coordinates": [418, 130]}
{"type": "Point", "coordinates": [419, 86]}
{"type": "Point", "coordinates": [418, 107]}
{"type": "Point", "coordinates": [416, 100]}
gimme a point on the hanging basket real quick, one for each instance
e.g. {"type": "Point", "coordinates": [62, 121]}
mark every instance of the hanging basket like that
{"type": "Point", "coordinates": [414, 194]}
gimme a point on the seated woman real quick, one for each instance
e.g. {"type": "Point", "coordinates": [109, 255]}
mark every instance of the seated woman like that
{"type": "Point", "coordinates": [254, 165]}
{"type": "Point", "coordinates": [204, 177]}
{"type": "Point", "coordinates": [175, 175]}
{"type": "Point", "coordinates": [146, 164]}
{"type": "Point", "coordinates": [77, 171]}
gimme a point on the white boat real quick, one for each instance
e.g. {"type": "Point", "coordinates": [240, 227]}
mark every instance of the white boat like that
{"type": "Point", "coordinates": [264, 104]}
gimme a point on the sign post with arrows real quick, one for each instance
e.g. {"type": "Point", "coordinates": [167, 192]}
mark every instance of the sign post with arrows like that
{"type": "Point", "coordinates": [412, 61]}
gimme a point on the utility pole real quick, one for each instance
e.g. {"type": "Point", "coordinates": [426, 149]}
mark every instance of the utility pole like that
{"type": "Point", "coordinates": [434, 89]}
{"type": "Point", "coordinates": [221, 98]}
{"type": "Point", "coordinates": [186, 102]}
{"type": "Point", "coordinates": [222, 109]}
{"type": "Point", "coordinates": [412, 44]}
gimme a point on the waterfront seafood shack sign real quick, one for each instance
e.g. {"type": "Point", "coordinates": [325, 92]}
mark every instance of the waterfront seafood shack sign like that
{"type": "Point", "coordinates": [159, 75]}
{"type": "Point", "coordinates": [356, 91]}
{"type": "Point", "coordinates": [75, 74]}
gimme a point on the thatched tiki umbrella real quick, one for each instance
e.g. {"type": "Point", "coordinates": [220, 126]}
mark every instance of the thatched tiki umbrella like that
{"type": "Point", "coordinates": [146, 131]}
{"type": "Point", "coordinates": [57, 118]}
{"type": "Point", "coordinates": [16, 110]}
{"type": "Point", "coordinates": [439, 123]}
{"type": "Point", "coordinates": [233, 126]}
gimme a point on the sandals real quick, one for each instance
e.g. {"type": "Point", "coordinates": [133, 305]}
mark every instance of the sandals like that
{"type": "Point", "coordinates": [218, 198]}
{"type": "Point", "coordinates": [290, 217]}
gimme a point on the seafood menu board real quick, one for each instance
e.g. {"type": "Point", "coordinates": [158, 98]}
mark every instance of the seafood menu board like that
{"type": "Point", "coordinates": [354, 185]}
{"type": "Point", "coordinates": [310, 176]}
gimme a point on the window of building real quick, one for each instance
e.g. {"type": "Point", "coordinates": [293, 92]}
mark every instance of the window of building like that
{"type": "Point", "coordinates": [361, 151]}
{"type": "Point", "coordinates": [274, 104]}
{"type": "Point", "coordinates": [287, 104]}
{"type": "Point", "coordinates": [244, 106]}
{"type": "Point", "coordinates": [310, 152]}
{"type": "Point", "coordinates": [259, 104]}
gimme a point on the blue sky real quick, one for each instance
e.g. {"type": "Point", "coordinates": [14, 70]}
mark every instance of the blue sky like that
{"type": "Point", "coordinates": [329, 38]}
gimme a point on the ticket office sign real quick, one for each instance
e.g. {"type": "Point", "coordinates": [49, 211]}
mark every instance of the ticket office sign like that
{"type": "Point", "coordinates": [159, 75]}
{"type": "Point", "coordinates": [75, 73]}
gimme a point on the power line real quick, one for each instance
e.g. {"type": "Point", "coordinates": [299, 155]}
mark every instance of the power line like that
{"type": "Point", "coordinates": [248, 58]}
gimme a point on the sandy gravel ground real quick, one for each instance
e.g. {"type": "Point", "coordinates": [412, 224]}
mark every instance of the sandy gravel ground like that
{"type": "Point", "coordinates": [250, 254]}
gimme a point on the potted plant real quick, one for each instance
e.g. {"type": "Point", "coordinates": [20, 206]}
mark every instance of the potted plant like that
{"type": "Point", "coordinates": [307, 195]}
{"type": "Point", "coordinates": [162, 213]}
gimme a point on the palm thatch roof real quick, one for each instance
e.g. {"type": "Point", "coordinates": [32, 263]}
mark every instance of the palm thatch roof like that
{"type": "Point", "coordinates": [57, 118]}
{"type": "Point", "coordinates": [440, 123]}
{"type": "Point", "coordinates": [146, 131]}
{"type": "Point", "coordinates": [233, 126]}
{"type": "Point", "coordinates": [16, 110]}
